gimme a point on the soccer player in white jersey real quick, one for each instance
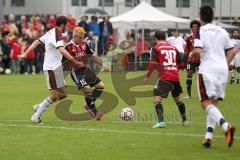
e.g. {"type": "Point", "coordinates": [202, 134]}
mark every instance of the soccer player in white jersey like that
{"type": "Point", "coordinates": [236, 61]}
{"type": "Point", "coordinates": [52, 66]}
{"type": "Point", "coordinates": [211, 43]}
{"type": "Point", "coordinates": [177, 42]}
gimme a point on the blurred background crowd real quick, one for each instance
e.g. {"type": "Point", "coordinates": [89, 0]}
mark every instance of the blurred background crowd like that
{"type": "Point", "coordinates": [16, 35]}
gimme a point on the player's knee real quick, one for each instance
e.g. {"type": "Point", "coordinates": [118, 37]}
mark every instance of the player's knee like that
{"type": "Point", "coordinates": [177, 100]}
{"type": "Point", "coordinates": [157, 99]}
{"type": "Point", "coordinates": [100, 85]}
{"type": "Point", "coordinates": [97, 92]}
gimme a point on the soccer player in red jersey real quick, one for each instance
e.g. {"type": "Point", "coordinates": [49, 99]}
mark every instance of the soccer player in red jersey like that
{"type": "Point", "coordinates": [84, 76]}
{"type": "Point", "coordinates": [192, 62]}
{"type": "Point", "coordinates": [165, 58]}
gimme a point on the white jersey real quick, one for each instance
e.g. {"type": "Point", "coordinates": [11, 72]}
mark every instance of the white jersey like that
{"type": "Point", "coordinates": [236, 60]}
{"type": "Point", "coordinates": [177, 42]}
{"type": "Point", "coordinates": [52, 40]}
{"type": "Point", "coordinates": [214, 41]}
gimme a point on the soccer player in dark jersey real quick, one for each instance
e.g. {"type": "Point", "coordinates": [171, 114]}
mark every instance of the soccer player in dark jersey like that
{"type": "Point", "coordinates": [84, 77]}
{"type": "Point", "coordinates": [165, 58]}
{"type": "Point", "coordinates": [192, 62]}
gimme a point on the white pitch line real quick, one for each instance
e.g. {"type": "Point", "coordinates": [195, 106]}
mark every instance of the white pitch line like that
{"type": "Point", "coordinates": [109, 130]}
{"type": "Point", "coordinates": [103, 121]}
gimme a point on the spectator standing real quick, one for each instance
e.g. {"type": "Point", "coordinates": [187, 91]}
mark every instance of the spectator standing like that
{"type": "Point", "coordinates": [94, 27]}
{"type": "Point", "coordinates": [6, 49]}
{"type": "Point", "coordinates": [16, 50]}
{"type": "Point", "coordinates": [106, 30]}
{"type": "Point", "coordinates": [83, 24]}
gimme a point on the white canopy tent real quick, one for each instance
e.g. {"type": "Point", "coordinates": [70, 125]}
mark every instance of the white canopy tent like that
{"type": "Point", "coordinates": [146, 16]}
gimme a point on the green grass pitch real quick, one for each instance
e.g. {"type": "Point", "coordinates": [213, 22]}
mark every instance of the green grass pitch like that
{"type": "Point", "coordinates": [111, 138]}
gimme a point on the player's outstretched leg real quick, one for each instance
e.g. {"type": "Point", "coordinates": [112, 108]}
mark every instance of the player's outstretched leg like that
{"type": "Point", "coordinates": [96, 93]}
{"type": "Point", "coordinates": [90, 104]}
{"type": "Point", "coordinates": [39, 109]}
{"type": "Point", "coordinates": [55, 95]}
{"type": "Point", "coordinates": [216, 116]}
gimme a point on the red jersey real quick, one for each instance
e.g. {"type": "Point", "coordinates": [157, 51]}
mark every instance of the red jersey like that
{"type": "Point", "coordinates": [79, 52]}
{"type": "Point", "coordinates": [16, 49]}
{"type": "Point", "coordinates": [189, 48]}
{"type": "Point", "coordinates": [165, 58]}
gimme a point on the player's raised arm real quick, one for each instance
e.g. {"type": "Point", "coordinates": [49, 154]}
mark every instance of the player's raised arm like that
{"type": "Point", "coordinates": [67, 55]}
{"type": "Point", "coordinates": [32, 46]}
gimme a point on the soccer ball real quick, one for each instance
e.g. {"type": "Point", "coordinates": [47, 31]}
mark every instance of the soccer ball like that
{"type": "Point", "coordinates": [127, 114]}
{"type": "Point", "coordinates": [8, 71]}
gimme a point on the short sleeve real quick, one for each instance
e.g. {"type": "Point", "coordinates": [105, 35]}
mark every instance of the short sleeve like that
{"type": "Point", "coordinates": [42, 39]}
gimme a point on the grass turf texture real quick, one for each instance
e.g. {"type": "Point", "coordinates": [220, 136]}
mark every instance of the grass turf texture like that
{"type": "Point", "coordinates": [111, 138]}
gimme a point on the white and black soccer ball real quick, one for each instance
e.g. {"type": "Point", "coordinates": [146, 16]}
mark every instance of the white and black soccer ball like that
{"type": "Point", "coordinates": [127, 114]}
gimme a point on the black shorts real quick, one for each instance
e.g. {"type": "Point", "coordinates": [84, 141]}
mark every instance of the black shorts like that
{"type": "Point", "coordinates": [177, 90]}
{"type": "Point", "coordinates": [192, 66]}
{"type": "Point", "coordinates": [84, 77]}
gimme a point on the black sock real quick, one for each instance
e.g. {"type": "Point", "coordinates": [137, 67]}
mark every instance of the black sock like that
{"type": "Point", "coordinates": [189, 86]}
{"type": "Point", "coordinates": [181, 108]}
{"type": "Point", "coordinates": [96, 93]}
{"type": "Point", "coordinates": [159, 110]}
{"type": "Point", "coordinates": [91, 104]}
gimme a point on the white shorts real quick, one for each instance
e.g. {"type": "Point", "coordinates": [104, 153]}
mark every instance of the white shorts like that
{"type": "Point", "coordinates": [55, 78]}
{"type": "Point", "coordinates": [236, 61]}
{"type": "Point", "coordinates": [211, 87]}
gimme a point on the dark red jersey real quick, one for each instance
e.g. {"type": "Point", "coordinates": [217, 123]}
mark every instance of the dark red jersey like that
{"type": "Point", "coordinates": [79, 52]}
{"type": "Point", "coordinates": [189, 48]}
{"type": "Point", "coordinates": [165, 58]}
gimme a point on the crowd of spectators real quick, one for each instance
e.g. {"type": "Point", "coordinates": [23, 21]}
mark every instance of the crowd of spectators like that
{"type": "Point", "coordinates": [16, 35]}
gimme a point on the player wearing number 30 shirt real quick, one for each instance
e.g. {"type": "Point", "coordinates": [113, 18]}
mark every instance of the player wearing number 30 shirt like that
{"type": "Point", "coordinates": [166, 59]}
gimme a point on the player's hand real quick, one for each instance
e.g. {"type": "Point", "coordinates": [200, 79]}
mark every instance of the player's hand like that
{"type": "Point", "coordinates": [145, 80]}
{"type": "Point", "coordinates": [21, 56]}
{"type": "Point", "coordinates": [106, 68]}
{"type": "Point", "coordinates": [79, 63]}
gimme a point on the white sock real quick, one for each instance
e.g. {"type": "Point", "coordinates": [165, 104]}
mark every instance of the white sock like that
{"type": "Point", "coordinates": [42, 107]}
{"type": "Point", "coordinates": [211, 124]}
{"type": "Point", "coordinates": [231, 73]}
{"type": "Point", "coordinates": [216, 116]}
{"type": "Point", "coordinates": [238, 75]}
